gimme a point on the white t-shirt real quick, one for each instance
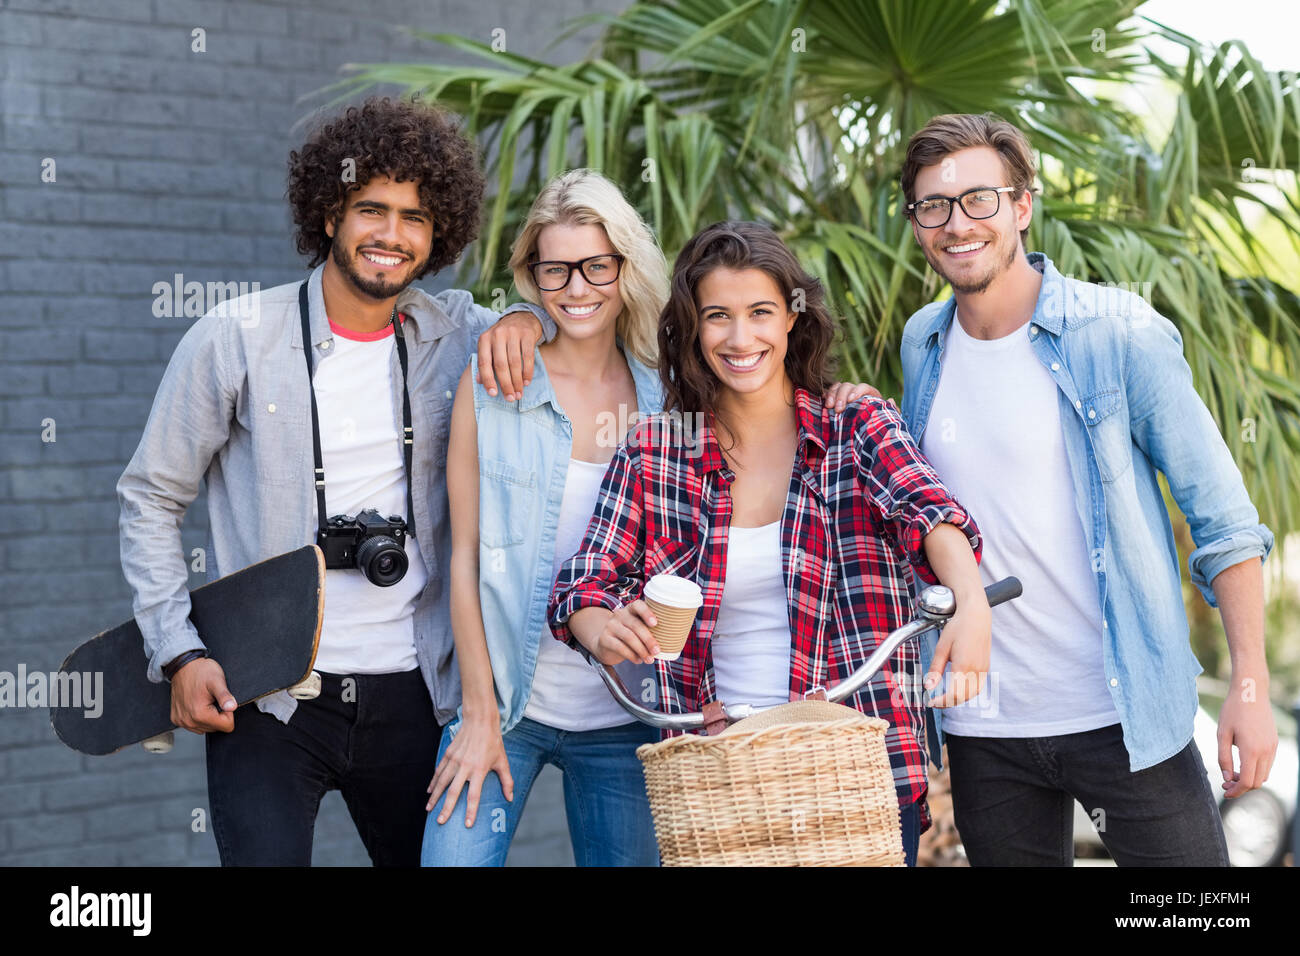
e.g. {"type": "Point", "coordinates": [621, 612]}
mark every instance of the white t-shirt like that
{"type": "Point", "coordinates": [566, 693]}
{"type": "Point", "coordinates": [367, 629]}
{"type": "Point", "coordinates": [751, 641]}
{"type": "Point", "coordinates": [994, 437]}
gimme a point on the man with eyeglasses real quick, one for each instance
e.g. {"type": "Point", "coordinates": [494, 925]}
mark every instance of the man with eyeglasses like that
{"type": "Point", "coordinates": [1048, 405]}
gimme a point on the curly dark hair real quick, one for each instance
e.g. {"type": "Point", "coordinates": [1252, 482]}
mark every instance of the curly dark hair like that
{"type": "Point", "coordinates": [690, 385]}
{"type": "Point", "coordinates": [405, 140]}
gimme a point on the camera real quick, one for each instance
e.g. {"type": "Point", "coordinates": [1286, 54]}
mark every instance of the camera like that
{"type": "Point", "coordinates": [371, 543]}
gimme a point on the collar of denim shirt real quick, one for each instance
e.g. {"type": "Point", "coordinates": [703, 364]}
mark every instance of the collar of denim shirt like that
{"type": "Point", "coordinates": [1049, 310]}
{"type": "Point", "coordinates": [431, 322]}
{"type": "Point", "coordinates": [649, 390]}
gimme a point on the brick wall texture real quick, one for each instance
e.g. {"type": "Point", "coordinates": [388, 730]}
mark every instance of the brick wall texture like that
{"type": "Point", "coordinates": [164, 161]}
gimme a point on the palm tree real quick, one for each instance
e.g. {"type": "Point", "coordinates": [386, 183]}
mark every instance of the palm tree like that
{"type": "Point", "coordinates": [796, 112]}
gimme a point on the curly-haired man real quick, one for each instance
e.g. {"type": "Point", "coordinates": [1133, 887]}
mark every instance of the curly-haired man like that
{"type": "Point", "coordinates": [382, 195]}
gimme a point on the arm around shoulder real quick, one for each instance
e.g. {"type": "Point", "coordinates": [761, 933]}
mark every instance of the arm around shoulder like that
{"type": "Point", "coordinates": [504, 343]}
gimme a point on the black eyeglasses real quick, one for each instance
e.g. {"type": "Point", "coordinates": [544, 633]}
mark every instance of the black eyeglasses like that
{"type": "Point", "coordinates": [982, 202]}
{"type": "Point", "coordinates": [551, 275]}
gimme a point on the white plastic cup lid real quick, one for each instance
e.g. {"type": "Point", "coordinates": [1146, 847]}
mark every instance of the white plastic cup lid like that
{"type": "Point", "coordinates": [674, 591]}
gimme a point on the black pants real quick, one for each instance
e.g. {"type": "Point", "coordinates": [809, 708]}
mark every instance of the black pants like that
{"type": "Point", "coordinates": [375, 739]}
{"type": "Point", "coordinates": [1013, 801]}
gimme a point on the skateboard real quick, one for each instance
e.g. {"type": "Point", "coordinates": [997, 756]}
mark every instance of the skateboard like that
{"type": "Point", "coordinates": [261, 624]}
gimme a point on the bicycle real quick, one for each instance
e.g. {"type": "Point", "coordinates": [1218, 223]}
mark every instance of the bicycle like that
{"type": "Point", "coordinates": [806, 782]}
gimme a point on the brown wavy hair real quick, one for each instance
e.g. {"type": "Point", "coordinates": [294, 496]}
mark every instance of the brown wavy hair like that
{"type": "Point", "coordinates": [407, 141]}
{"type": "Point", "coordinates": [690, 385]}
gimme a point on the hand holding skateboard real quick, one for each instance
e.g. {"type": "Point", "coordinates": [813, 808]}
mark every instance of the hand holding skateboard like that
{"type": "Point", "coordinates": [201, 702]}
{"type": "Point", "coordinates": [262, 624]}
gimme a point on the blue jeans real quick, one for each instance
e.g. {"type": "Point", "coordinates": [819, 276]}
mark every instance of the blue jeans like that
{"type": "Point", "coordinates": [1013, 801]}
{"type": "Point", "coordinates": [604, 799]}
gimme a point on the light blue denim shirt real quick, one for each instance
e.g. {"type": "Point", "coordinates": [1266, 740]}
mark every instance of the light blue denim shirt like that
{"type": "Point", "coordinates": [523, 455]}
{"type": "Point", "coordinates": [1128, 410]}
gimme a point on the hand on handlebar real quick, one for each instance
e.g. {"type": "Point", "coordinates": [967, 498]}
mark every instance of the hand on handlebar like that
{"type": "Point", "coordinates": [624, 636]}
{"type": "Point", "coordinates": [964, 644]}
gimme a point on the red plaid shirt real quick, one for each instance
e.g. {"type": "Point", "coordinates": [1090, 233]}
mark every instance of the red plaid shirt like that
{"type": "Point", "coordinates": [862, 499]}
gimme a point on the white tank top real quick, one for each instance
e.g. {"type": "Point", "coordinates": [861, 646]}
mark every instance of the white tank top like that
{"type": "Point", "coordinates": [751, 642]}
{"type": "Point", "coordinates": [566, 693]}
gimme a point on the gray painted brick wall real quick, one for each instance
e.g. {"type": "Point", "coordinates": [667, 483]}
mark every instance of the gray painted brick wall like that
{"type": "Point", "coordinates": [166, 161]}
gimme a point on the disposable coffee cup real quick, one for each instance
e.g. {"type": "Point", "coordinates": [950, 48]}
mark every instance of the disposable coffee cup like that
{"type": "Point", "coordinates": [674, 602]}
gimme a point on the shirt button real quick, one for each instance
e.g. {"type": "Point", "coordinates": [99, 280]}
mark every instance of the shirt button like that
{"type": "Point", "coordinates": [1092, 413]}
{"type": "Point", "coordinates": [1114, 682]}
{"type": "Point", "coordinates": [325, 344]}
{"type": "Point", "coordinates": [1105, 625]}
{"type": "Point", "coordinates": [448, 394]}
{"type": "Point", "coordinates": [1078, 404]}
{"type": "Point", "coordinates": [1033, 330]}
{"type": "Point", "coordinates": [271, 408]}
{"type": "Point", "coordinates": [1056, 366]}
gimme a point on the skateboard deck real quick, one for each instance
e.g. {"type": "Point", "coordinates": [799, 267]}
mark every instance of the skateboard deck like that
{"type": "Point", "coordinates": [261, 624]}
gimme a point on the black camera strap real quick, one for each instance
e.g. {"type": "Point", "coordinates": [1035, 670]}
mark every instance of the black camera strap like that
{"type": "Point", "coordinates": [407, 444]}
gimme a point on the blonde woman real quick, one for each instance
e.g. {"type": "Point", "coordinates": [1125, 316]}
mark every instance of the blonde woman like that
{"type": "Point", "coordinates": [522, 479]}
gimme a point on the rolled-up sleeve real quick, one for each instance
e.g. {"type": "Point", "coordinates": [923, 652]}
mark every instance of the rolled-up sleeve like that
{"type": "Point", "coordinates": [1206, 562]}
{"type": "Point", "coordinates": [904, 487]}
{"type": "Point", "coordinates": [607, 570]}
{"type": "Point", "coordinates": [1172, 426]}
{"type": "Point", "coordinates": [188, 424]}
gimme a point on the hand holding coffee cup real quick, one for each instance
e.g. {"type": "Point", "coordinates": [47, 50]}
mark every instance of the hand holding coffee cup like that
{"type": "Point", "coordinates": [624, 635]}
{"type": "Point", "coordinates": [644, 630]}
{"type": "Point", "coordinates": [674, 602]}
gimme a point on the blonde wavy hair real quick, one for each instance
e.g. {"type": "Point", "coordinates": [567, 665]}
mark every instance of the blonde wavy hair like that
{"type": "Point", "coordinates": [583, 197]}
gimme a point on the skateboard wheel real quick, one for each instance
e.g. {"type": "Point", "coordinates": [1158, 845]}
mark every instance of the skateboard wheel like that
{"type": "Point", "coordinates": [161, 744]}
{"type": "Point", "coordinates": [308, 689]}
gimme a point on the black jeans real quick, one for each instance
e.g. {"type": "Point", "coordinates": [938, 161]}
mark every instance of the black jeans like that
{"type": "Point", "coordinates": [1013, 801]}
{"type": "Point", "coordinates": [375, 740]}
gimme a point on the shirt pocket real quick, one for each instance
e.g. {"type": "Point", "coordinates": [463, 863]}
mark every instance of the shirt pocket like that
{"type": "Point", "coordinates": [279, 428]}
{"type": "Point", "coordinates": [1112, 442]}
{"type": "Point", "coordinates": [506, 496]}
{"type": "Point", "coordinates": [668, 556]}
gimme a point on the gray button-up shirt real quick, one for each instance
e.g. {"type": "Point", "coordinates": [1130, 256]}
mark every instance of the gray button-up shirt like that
{"type": "Point", "coordinates": [233, 409]}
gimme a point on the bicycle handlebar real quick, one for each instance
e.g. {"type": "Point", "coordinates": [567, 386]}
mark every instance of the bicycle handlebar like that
{"type": "Point", "coordinates": [935, 607]}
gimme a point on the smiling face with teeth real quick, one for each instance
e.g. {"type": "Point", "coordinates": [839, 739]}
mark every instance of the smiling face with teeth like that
{"type": "Point", "coordinates": [581, 310]}
{"type": "Point", "coordinates": [382, 238]}
{"type": "Point", "coordinates": [971, 254]}
{"type": "Point", "coordinates": [744, 329]}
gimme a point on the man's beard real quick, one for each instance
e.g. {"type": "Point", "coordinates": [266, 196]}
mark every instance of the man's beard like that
{"type": "Point", "coordinates": [375, 288]}
{"type": "Point", "coordinates": [975, 286]}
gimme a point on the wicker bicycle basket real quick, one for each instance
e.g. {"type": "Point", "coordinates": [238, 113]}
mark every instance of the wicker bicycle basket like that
{"type": "Point", "coordinates": [803, 784]}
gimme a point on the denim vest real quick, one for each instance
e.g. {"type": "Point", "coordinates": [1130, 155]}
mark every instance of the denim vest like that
{"type": "Point", "coordinates": [523, 459]}
{"type": "Point", "coordinates": [1128, 409]}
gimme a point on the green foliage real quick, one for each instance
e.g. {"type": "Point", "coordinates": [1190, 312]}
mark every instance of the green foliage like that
{"type": "Point", "coordinates": [796, 113]}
